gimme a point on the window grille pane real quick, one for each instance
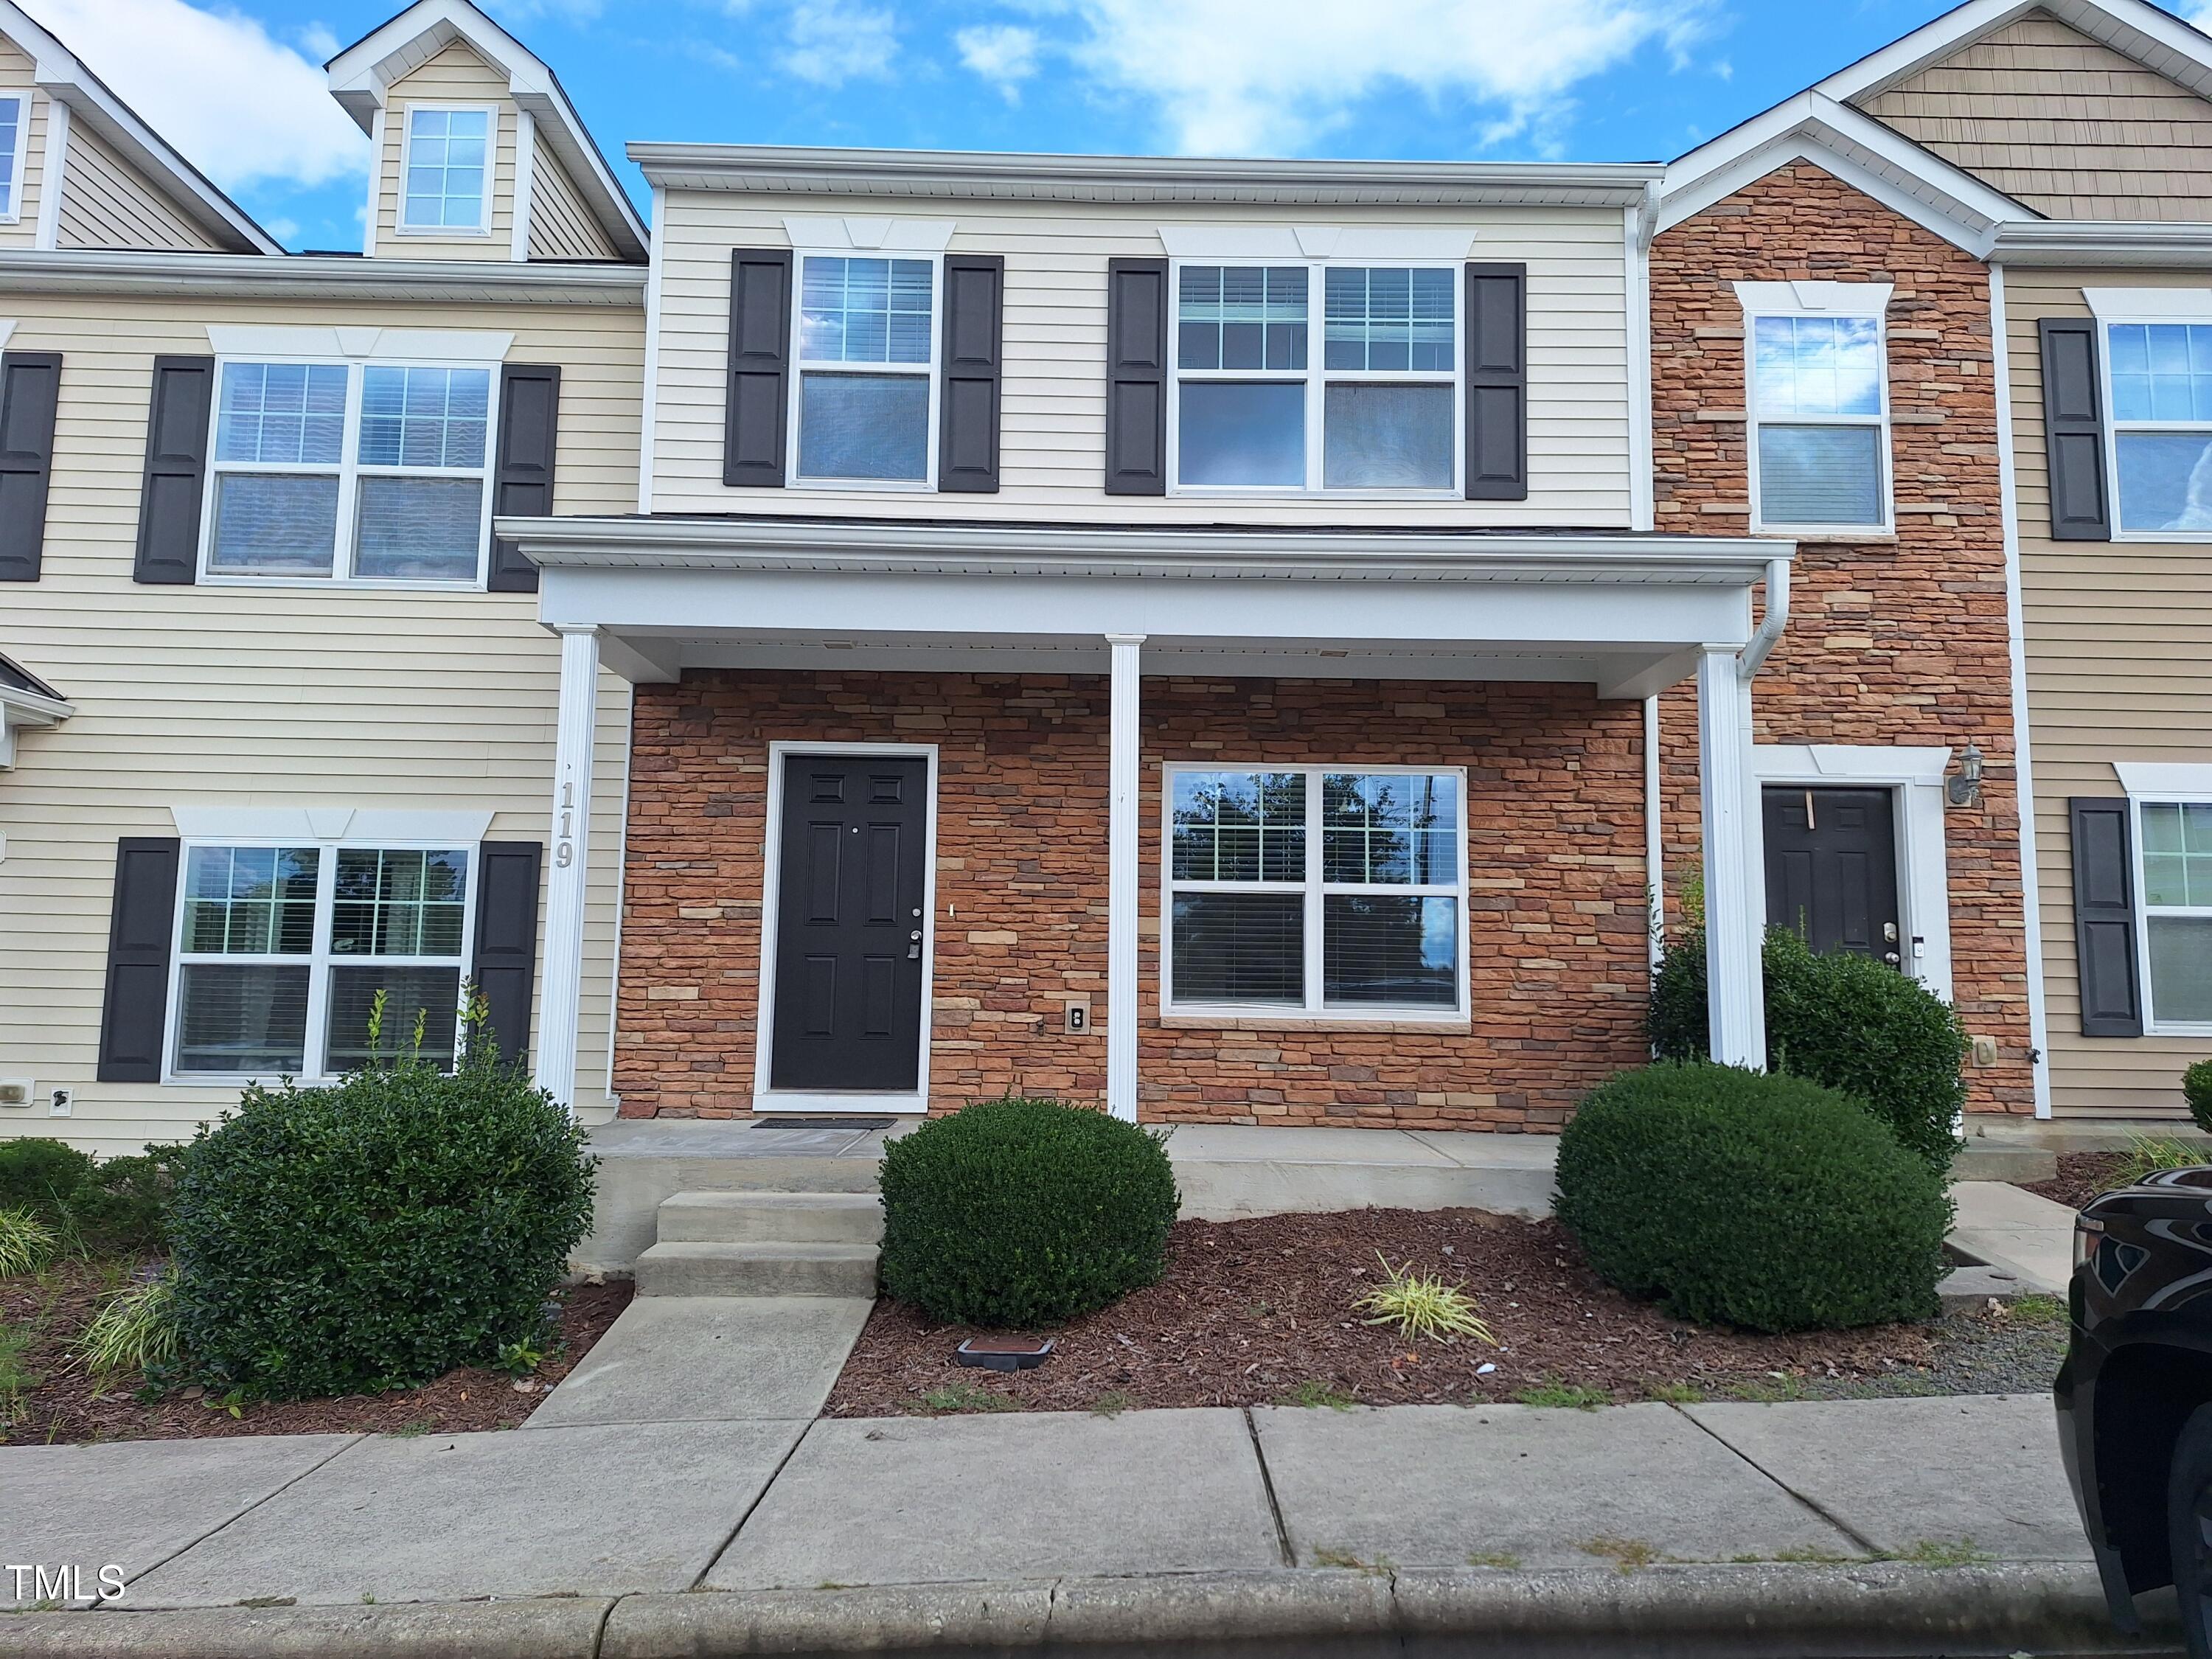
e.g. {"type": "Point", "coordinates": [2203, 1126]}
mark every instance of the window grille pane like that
{"type": "Point", "coordinates": [426, 529]}
{"type": "Point", "coordinates": [1383, 437]}
{"type": "Point", "coordinates": [284, 524]}
{"type": "Point", "coordinates": [863, 426]}
{"type": "Point", "coordinates": [1389, 319]}
{"type": "Point", "coordinates": [1241, 317]}
{"type": "Point", "coordinates": [425, 417]}
{"type": "Point", "coordinates": [1240, 947]}
{"type": "Point", "coordinates": [251, 901]}
{"type": "Point", "coordinates": [1383, 948]}
{"type": "Point", "coordinates": [433, 995]}
{"type": "Point", "coordinates": [394, 903]}
{"type": "Point", "coordinates": [2181, 969]}
{"type": "Point", "coordinates": [2177, 854]}
{"type": "Point", "coordinates": [2165, 480]}
{"type": "Point", "coordinates": [233, 1016]}
{"type": "Point", "coordinates": [2160, 371]}
{"type": "Point", "coordinates": [1818, 365]}
{"type": "Point", "coordinates": [11, 119]}
{"type": "Point", "coordinates": [1239, 826]}
{"type": "Point", "coordinates": [293, 414]}
{"type": "Point", "coordinates": [1250, 433]}
{"type": "Point", "coordinates": [1390, 827]}
{"type": "Point", "coordinates": [1820, 475]}
{"type": "Point", "coordinates": [447, 151]}
{"type": "Point", "coordinates": [864, 311]}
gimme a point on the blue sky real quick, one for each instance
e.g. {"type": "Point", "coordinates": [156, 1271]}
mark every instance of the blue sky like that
{"type": "Point", "coordinates": [236, 83]}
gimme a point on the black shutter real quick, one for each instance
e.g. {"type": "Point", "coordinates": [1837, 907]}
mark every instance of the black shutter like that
{"type": "Point", "coordinates": [1137, 377]}
{"type": "Point", "coordinates": [760, 366]}
{"type": "Point", "coordinates": [2074, 430]}
{"type": "Point", "coordinates": [1496, 383]}
{"type": "Point", "coordinates": [30, 388]}
{"type": "Point", "coordinates": [974, 310]}
{"type": "Point", "coordinates": [176, 470]}
{"type": "Point", "coordinates": [2104, 918]}
{"type": "Point", "coordinates": [529, 419]}
{"type": "Point", "coordinates": [141, 927]}
{"type": "Point", "coordinates": [506, 939]}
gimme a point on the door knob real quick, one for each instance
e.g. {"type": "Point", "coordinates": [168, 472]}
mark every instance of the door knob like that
{"type": "Point", "coordinates": [1891, 957]}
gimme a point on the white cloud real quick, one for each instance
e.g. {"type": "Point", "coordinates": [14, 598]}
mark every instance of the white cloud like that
{"type": "Point", "coordinates": [1005, 54]}
{"type": "Point", "coordinates": [1259, 76]}
{"type": "Point", "coordinates": [831, 42]}
{"type": "Point", "coordinates": [243, 108]}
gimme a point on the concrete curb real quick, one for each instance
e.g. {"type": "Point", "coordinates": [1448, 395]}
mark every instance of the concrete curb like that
{"type": "Point", "coordinates": [1773, 1610]}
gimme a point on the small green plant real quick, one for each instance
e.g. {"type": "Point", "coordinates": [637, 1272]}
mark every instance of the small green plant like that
{"type": "Point", "coordinates": [1503, 1558]}
{"type": "Point", "coordinates": [2196, 1090]}
{"type": "Point", "coordinates": [42, 1176]}
{"type": "Point", "coordinates": [967, 1397]}
{"type": "Point", "coordinates": [26, 1243]}
{"type": "Point", "coordinates": [1674, 1394]}
{"type": "Point", "coordinates": [2146, 1155]}
{"type": "Point", "coordinates": [1943, 1553]}
{"type": "Point", "coordinates": [135, 1329]}
{"type": "Point", "coordinates": [1554, 1393]}
{"type": "Point", "coordinates": [1313, 1394]}
{"type": "Point", "coordinates": [1771, 1389]}
{"type": "Point", "coordinates": [1422, 1305]}
{"type": "Point", "coordinates": [1112, 1403]}
{"type": "Point", "coordinates": [518, 1359]}
{"type": "Point", "coordinates": [1629, 1554]}
{"type": "Point", "coordinates": [1380, 1566]}
{"type": "Point", "coordinates": [17, 1379]}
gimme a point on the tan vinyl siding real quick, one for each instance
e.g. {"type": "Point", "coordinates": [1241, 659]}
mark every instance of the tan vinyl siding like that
{"type": "Point", "coordinates": [16, 75]}
{"type": "Point", "coordinates": [268, 696]}
{"type": "Point", "coordinates": [107, 203]}
{"type": "Point", "coordinates": [455, 76]}
{"type": "Point", "coordinates": [2119, 668]}
{"type": "Point", "coordinates": [2062, 123]}
{"type": "Point", "coordinates": [560, 226]}
{"type": "Point", "coordinates": [1052, 441]}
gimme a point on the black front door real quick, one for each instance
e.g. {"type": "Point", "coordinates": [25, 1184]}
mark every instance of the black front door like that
{"type": "Point", "coordinates": [1832, 868]}
{"type": "Point", "coordinates": [848, 931]}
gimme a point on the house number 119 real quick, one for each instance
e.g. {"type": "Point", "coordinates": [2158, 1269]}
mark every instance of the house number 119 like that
{"type": "Point", "coordinates": [564, 842]}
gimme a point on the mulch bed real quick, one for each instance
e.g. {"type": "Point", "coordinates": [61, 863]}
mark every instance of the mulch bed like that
{"type": "Point", "coordinates": [1258, 1311]}
{"type": "Point", "coordinates": [2081, 1176]}
{"type": "Point", "coordinates": [65, 1405]}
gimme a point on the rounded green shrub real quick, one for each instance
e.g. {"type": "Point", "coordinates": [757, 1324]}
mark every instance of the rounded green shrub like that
{"type": "Point", "coordinates": [375, 1233]}
{"type": "Point", "coordinates": [1763, 1201]}
{"type": "Point", "coordinates": [43, 1177]}
{"type": "Point", "coordinates": [1023, 1213]}
{"type": "Point", "coordinates": [1847, 1021]}
{"type": "Point", "coordinates": [2196, 1090]}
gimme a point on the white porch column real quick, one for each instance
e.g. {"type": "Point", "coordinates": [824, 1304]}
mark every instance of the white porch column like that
{"type": "Point", "coordinates": [562, 975]}
{"type": "Point", "coordinates": [1122, 773]}
{"type": "Point", "coordinates": [1735, 899]}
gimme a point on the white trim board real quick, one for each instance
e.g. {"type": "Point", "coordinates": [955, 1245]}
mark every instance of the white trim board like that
{"type": "Point", "coordinates": [359, 344]}
{"type": "Point", "coordinates": [370, 826]}
{"type": "Point", "coordinates": [2136, 305]}
{"type": "Point", "coordinates": [1308, 242]}
{"type": "Point", "coordinates": [823, 233]}
{"type": "Point", "coordinates": [2171, 779]}
{"type": "Point", "coordinates": [765, 1100]}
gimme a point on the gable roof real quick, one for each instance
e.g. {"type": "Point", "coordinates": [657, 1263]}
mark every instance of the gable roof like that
{"type": "Point", "coordinates": [362, 74]}
{"type": "Point", "coordinates": [61, 76]}
{"type": "Point", "coordinates": [2157, 40]}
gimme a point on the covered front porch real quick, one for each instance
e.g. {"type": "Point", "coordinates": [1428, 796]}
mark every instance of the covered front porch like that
{"type": "Point", "coordinates": [1038, 732]}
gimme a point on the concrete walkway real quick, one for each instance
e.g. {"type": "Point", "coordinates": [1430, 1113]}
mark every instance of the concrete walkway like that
{"type": "Point", "coordinates": [2015, 1231]}
{"type": "Point", "coordinates": [1271, 1507]}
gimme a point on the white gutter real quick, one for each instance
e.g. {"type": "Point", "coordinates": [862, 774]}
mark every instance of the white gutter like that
{"type": "Point", "coordinates": [308, 276]}
{"type": "Point", "coordinates": [1769, 626]}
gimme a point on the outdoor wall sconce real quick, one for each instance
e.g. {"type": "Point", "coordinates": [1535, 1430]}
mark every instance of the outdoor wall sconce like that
{"type": "Point", "coordinates": [1965, 789]}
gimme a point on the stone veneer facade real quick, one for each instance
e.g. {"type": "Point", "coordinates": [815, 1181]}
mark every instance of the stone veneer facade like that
{"type": "Point", "coordinates": [1893, 639]}
{"type": "Point", "coordinates": [1556, 911]}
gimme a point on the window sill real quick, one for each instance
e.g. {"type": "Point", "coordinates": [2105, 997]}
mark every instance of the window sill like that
{"type": "Point", "coordinates": [445, 232]}
{"type": "Point", "coordinates": [352, 584]}
{"type": "Point", "coordinates": [1334, 1019]}
{"type": "Point", "coordinates": [1815, 533]}
{"type": "Point", "coordinates": [1240, 493]}
{"type": "Point", "coordinates": [847, 486]}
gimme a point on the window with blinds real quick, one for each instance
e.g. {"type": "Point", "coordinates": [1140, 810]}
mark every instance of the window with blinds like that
{"type": "Point", "coordinates": [1820, 422]}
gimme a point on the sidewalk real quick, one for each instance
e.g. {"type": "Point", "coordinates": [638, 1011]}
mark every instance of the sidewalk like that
{"type": "Point", "coordinates": [1938, 1524]}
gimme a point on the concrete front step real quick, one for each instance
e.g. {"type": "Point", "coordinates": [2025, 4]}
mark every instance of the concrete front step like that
{"type": "Point", "coordinates": [725, 1269]}
{"type": "Point", "coordinates": [771, 1219]}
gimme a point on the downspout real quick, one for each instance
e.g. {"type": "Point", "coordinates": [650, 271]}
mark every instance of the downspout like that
{"type": "Point", "coordinates": [1770, 627]}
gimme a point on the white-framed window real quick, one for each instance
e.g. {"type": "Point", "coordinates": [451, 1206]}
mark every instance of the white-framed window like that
{"type": "Point", "coordinates": [2158, 388]}
{"type": "Point", "coordinates": [282, 946]}
{"type": "Point", "coordinates": [2173, 859]}
{"type": "Point", "coordinates": [1316, 889]}
{"type": "Point", "coordinates": [445, 169]}
{"type": "Point", "coordinates": [14, 144]}
{"type": "Point", "coordinates": [864, 393]}
{"type": "Point", "coordinates": [1818, 398]}
{"type": "Point", "coordinates": [370, 472]}
{"type": "Point", "coordinates": [1378, 410]}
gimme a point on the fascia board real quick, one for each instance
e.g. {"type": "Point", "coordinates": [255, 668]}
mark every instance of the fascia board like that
{"type": "Point", "coordinates": [312, 276]}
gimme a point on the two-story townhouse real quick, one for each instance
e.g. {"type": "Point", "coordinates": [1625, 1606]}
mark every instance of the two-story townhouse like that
{"type": "Point", "coordinates": [281, 711]}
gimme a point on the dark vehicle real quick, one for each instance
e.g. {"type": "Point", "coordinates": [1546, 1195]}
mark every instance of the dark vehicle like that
{"type": "Point", "coordinates": [2135, 1395]}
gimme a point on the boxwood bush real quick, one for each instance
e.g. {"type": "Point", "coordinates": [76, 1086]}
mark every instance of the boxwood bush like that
{"type": "Point", "coordinates": [1023, 1213]}
{"type": "Point", "coordinates": [113, 1206]}
{"type": "Point", "coordinates": [1753, 1200]}
{"type": "Point", "coordinates": [1847, 1021]}
{"type": "Point", "coordinates": [375, 1233]}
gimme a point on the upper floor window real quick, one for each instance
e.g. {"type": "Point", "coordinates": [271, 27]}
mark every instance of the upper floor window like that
{"type": "Point", "coordinates": [1253, 410]}
{"type": "Point", "coordinates": [867, 361]}
{"type": "Point", "coordinates": [1819, 417]}
{"type": "Point", "coordinates": [446, 171]}
{"type": "Point", "coordinates": [15, 130]}
{"type": "Point", "coordinates": [377, 471]}
{"type": "Point", "coordinates": [2161, 405]}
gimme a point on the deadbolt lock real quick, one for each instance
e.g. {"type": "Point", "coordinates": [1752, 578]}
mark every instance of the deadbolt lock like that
{"type": "Point", "coordinates": [1889, 933]}
{"type": "Point", "coordinates": [914, 946]}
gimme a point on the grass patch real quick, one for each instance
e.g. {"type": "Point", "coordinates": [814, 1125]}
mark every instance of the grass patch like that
{"type": "Point", "coordinates": [1806, 1554]}
{"type": "Point", "coordinates": [1422, 1305]}
{"type": "Point", "coordinates": [1942, 1552]}
{"type": "Point", "coordinates": [136, 1328]}
{"type": "Point", "coordinates": [967, 1397]}
{"type": "Point", "coordinates": [1310, 1393]}
{"type": "Point", "coordinates": [17, 1379]}
{"type": "Point", "coordinates": [1493, 1558]}
{"type": "Point", "coordinates": [2038, 1312]}
{"type": "Point", "coordinates": [1628, 1554]}
{"type": "Point", "coordinates": [26, 1243]}
{"type": "Point", "coordinates": [1774, 1387]}
{"type": "Point", "coordinates": [1112, 1403]}
{"type": "Point", "coordinates": [2148, 1154]}
{"type": "Point", "coordinates": [1551, 1392]}
{"type": "Point", "coordinates": [1346, 1559]}
{"type": "Point", "coordinates": [1674, 1394]}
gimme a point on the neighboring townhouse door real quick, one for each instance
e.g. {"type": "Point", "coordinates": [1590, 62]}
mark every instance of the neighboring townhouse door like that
{"type": "Point", "coordinates": [1832, 868]}
{"type": "Point", "coordinates": [850, 934]}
